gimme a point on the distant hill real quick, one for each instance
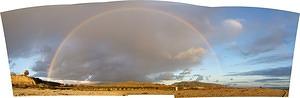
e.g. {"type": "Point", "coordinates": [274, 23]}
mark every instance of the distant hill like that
{"type": "Point", "coordinates": [49, 83]}
{"type": "Point", "coordinates": [130, 84]}
{"type": "Point", "coordinates": [282, 88]}
{"type": "Point", "coordinates": [27, 81]}
{"type": "Point", "coordinates": [196, 84]}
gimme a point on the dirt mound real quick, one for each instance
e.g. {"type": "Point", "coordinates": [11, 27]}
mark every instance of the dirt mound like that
{"type": "Point", "coordinates": [22, 80]}
{"type": "Point", "coordinates": [27, 81]}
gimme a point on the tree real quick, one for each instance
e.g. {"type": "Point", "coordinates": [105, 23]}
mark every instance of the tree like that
{"type": "Point", "coordinates": [26, 72]}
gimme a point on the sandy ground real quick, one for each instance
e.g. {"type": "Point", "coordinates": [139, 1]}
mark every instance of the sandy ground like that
{"type": "Point", "coordinates": [182, 93]}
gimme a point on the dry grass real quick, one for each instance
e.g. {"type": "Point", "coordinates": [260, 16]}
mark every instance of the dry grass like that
{"type": "Point", "coordinates": [30, 86]}
{"type": "Point", "coordinates": [180, 93]}
{"type": "Point", "coordinates": [22, 80]}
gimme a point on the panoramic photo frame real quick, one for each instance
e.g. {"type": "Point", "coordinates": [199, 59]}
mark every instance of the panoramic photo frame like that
{"type": "Point", "coordinates": [175, 47]}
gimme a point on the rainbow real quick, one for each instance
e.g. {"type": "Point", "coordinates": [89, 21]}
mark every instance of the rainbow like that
{"type": "Point", "coordinates": [86, 21]}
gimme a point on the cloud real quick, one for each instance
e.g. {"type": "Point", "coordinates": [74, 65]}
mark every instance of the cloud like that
{"type": "Point", "coordinates": [271, 59]}
{"type": "Point", "coordinates": [223, 31]}
{"type": "Point", "coordinates": [192, 54]}
{"type": "Point", "coordinates": [142, 44]}
{"type": "Point", "coordinates": [267, 36]}
{"type": "Point", "coordinates": [166, 76]}
{"type": "Point", "coordinates": [259, 51]}
{"type": "Point", "coordinates": [183, 74]}
{"type": "Point", "coordinates": [274, 39]}
{"type": "Point", "coordinates": [11, 64]}
{"type": "Point", "coordinates": [240, 82]}
{"type": "Point", "coordinates": [40, 74]}
{"type": "Point", "coordinates": [136, 49]}
{"type": "Point", "coordinates": [27, 33]}
{"type": "Point", "coordinates": [281, 86]}
{"type": "Point", "coordinates": [232, 26]}
{"type": "Point", "coordinates": [199, 77]}
{"type": "Point", "coordinates": [272, 80]}
{"type": "Point", "coordinates": [41, 65]}
{"type": "Point", "coordinates": [265, 44]}
{"type": "Point", "coordinates": [32, 32]}
{"type": "Point", "coordinates": [271, 72]}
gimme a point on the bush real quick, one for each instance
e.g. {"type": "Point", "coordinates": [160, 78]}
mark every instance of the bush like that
{"type": "Point", "coordinates": [26, 72]}
{"type": "Point", "coordinates": [13, 74]}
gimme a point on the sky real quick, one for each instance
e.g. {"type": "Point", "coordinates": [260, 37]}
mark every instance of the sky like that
{"type": "Point", "coordinates": [156, 41]}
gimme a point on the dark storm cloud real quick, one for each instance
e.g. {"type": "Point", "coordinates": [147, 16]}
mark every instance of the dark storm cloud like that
{"type": "Point", "coordinates": [272, 72]}
{"type": "Point", "coordinates": [41, 65]}
{"type": "Point", "coordinates": [126, 54]}
{"type": "Point", "coordinates": [142, 45]}
{"type": "Point", "coordinates": [29, 30]}
{"type": "Point", "coordinates": [198, 16]}
{"type": "Point", "coordinates": [38, 31]}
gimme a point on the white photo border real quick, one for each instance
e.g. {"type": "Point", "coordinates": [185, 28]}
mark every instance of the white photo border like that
{"type": "Point", "coordinates": [8, 5]}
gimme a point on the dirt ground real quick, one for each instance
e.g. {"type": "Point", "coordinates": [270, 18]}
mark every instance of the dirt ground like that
{"type": "Point", "coordinates": [182, 93]}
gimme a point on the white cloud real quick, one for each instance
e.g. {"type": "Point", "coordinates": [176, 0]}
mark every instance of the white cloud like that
{"type": "Point", "coordinates": [192, 54]}
{"type": "Point", "coordinates": [232, 26]}
{"type": "Point", "coordinates": [224, 31]}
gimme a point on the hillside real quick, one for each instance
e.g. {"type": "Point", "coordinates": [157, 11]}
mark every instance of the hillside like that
{"type": "Point", "coordinates": [22, 80]}
{"type": "Point", "coordinates": [27, 81]}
